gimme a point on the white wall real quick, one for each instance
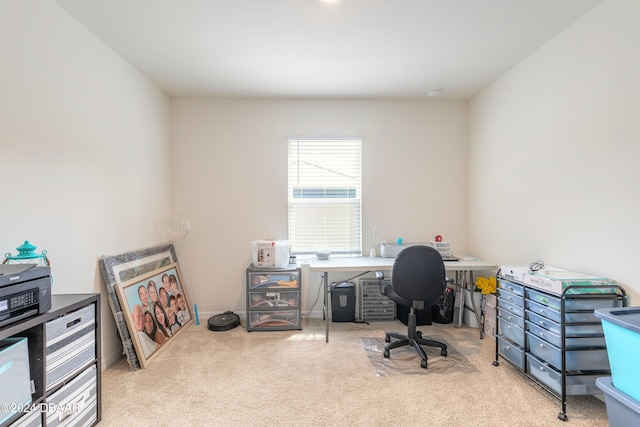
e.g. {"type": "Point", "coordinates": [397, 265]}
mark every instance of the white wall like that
{"type": "Point", "coordinates": [553, 152]}
{"type": "Point", "coordinates": [229, 178]}
{"type": "Point", "coordinates": [84, 149]}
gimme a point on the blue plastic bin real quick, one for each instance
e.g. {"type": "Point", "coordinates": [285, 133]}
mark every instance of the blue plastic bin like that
{"type": "Point", "coordinates": [621, 328]}
{"type": "Point", "coordinates": [622, 409]}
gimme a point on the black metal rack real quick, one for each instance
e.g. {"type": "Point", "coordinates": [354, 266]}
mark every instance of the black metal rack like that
{"type": "Point", "coordinates": [607, 292]}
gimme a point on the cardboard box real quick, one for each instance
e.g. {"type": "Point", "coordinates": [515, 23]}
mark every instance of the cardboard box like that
{"type": "Point", "coordinates": [555, 280]}
{"type": "Point", "coordinates": [490, 301]}
{"type": "Point", "coordinates": [489, 319]}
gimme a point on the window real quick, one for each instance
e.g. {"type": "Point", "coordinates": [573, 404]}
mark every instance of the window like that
{"type": "Point", "coordinates": [325, 195]}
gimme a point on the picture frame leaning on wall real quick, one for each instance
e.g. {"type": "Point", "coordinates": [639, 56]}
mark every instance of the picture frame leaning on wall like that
{"type": "Point", "coordinates": [121, 268]}
{"type": "Point", "coordinates": [156, 310]}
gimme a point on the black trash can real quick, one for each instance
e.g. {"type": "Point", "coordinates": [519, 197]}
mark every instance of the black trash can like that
{"type": "Point", "coordinates": [343, 302]}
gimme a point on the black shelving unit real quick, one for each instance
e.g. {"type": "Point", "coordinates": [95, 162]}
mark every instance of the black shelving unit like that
{"type": "Point", "coordinates": [76, 317]}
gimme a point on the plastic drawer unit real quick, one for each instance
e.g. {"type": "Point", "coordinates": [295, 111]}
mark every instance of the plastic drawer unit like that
{"type": "Point", "coordinates": [576, 385]}
{"type": "Point", "coordinates": [512, 318]}
{"type": "Point", "coordinates": [373, 304]}
{"type": "Point", "coordinates": [510, 351]}
{"type": "Point", "coordinates": [511, 331]}
{"type": "Point", "coordinates": [510, 321]}
{"type": "Point", "coordinates": [515, 309]}
{"type": "Point", "coordinates": [585, 359]}
{"type": "Point", "coordinates": [569, 342]}
{"type": "Point", "coordinates": [273, 299]}
{"type": "Point", "coordinates": [554, 338]}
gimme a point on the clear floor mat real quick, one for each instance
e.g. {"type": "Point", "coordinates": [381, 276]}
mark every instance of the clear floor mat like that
{"type": "Point", "coordinates": [405, 360]}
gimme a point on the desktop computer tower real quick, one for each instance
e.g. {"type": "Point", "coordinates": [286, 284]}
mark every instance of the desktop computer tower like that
{"type": "Point", "coordinates": [343, 302]}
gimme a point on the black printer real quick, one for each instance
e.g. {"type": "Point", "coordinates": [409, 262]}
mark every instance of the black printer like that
{"type": "Point", "coordinates": [25, 290]}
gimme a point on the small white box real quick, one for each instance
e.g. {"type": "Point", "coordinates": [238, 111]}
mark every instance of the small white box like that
{"type": "Point", "coordinates": [514, 272]}
{"type": "Point", "coordinates": [270, 253]}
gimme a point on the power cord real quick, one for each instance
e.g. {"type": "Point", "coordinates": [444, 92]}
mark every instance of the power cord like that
{"type": "Point", "coordinates": [320, 288]}
{"type": "Point", "coordinates": [536, 266]}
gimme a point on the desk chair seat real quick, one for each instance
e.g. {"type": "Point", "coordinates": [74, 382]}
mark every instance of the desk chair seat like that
{"type": "Point", "coordinates": [417, 281]}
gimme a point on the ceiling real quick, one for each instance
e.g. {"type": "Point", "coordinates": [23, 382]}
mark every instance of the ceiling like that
{"type": "Point", "coordinates": [312, 49]}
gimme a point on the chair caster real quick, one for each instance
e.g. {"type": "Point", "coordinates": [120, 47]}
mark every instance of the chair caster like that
{"type": "Point", "coordinates": [387, 338]}
{"type": "Point", "coordinates": [443, 352]}
{"type": "Point", "coordinates": [386, 354]}
{"type": "Point", "coordinates": [419, 334]}
{"type": "Point", "coordinates": [423, 364]}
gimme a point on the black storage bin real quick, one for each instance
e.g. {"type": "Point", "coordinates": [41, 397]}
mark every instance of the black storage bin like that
{"type": "Point", "coordinates": [423, 317]}
{"type": "Point", "coordinates": [343, 302]}
{"type": "Point", "coordinates": [439, 313]}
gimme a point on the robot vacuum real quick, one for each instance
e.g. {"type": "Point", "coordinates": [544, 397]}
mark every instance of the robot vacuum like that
{"type": "Point", "coordinates": [223, 322]}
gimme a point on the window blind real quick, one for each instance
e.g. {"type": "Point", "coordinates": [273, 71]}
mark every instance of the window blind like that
{"type": "Point", "coordinates": [325, 195]}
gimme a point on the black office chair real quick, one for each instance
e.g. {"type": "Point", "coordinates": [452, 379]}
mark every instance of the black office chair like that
{"type": "Point", "coordinates": [418, 281]}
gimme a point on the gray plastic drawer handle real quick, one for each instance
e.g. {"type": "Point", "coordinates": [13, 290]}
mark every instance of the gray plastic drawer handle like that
{"type": "Point", "coordinates": [74, 322]}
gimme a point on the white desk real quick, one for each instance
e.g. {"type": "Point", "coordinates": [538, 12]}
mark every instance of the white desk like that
{"type": "Point", "coordinates": [463, 270]}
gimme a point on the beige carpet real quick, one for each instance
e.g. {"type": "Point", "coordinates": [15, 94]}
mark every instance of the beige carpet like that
{"type": "Point", "coordinates": [295, 378]}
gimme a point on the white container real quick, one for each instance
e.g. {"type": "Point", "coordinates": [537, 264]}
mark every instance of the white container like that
{"type": "Point", "coordinates": [443, 247]}
{"type": "Point", "coordinates": [514, 272]}
{"type": "Point", "coordinates": [469, 318]}
{"type": "Point", "coordinates": [270, 253]}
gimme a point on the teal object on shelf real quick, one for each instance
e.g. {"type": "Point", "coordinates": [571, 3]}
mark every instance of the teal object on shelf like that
{"type": "Point", "coordinates": [26, 252]}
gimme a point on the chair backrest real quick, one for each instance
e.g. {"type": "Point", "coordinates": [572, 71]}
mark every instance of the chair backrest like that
{"type": "Point", "coordinates": [418, 274]}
